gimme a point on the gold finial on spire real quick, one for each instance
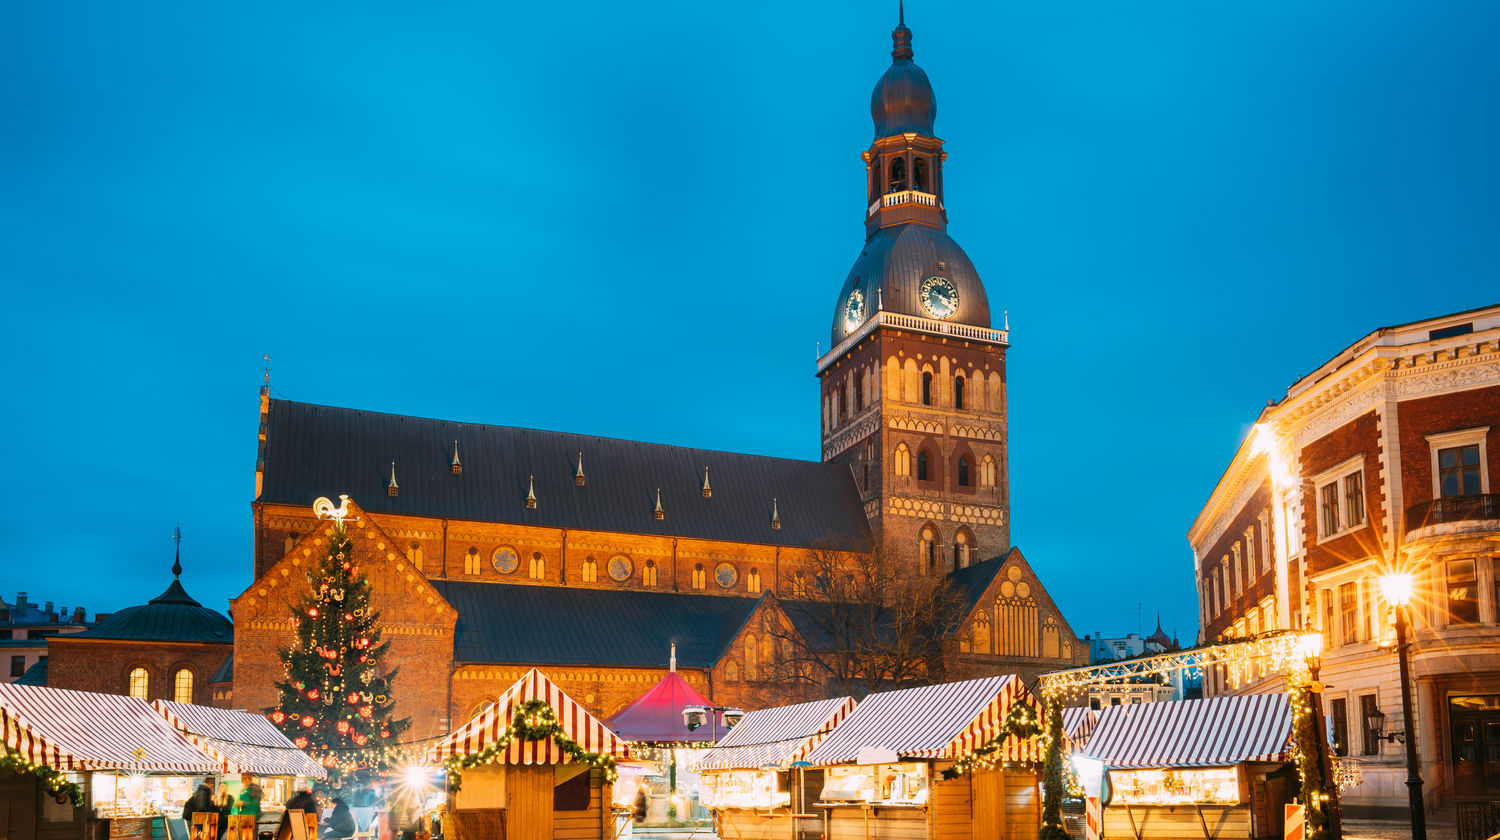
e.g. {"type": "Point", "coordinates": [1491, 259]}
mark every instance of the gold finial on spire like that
{"type": "Point", "coordinates": [393, 489]}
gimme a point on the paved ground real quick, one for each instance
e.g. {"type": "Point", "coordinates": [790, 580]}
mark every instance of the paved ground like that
{"type": "Point", "coordinates": [1397, 830]}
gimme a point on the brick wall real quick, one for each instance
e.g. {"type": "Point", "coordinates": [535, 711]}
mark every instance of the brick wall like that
{"type": "Point", "coordinates": [104, 666]}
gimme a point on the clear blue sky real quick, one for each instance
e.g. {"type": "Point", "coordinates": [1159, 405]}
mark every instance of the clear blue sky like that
{"type": "Point", "coordinates": [632, 220]}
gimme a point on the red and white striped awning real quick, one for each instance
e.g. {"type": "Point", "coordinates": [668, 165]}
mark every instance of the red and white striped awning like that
{"type": "Point", "coordinates": [950, 720]}
{"type": "Point", "coordinates": [488, 726]}
{"type": "Point", "coordinates": [81, 730]}
{"type": "Point", "coordinates": [776, 737]}
{"type": "Point", "coordinates": [1078, 724]}
{"type": "Point", "coordinates": [239, 741]}
{"type": "Point", "coordinates": [1213, 732]}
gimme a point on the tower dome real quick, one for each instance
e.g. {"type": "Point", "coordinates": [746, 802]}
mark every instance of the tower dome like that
{"type": "Point", "coordinates": [909, 270]}
{"type": "Point", "coordinates": [903, 100]}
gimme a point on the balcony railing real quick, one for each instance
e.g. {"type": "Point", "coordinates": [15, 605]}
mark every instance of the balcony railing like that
{"type": "Point", "coordinates": [911, 322]}
{"type": "Point", "coordinates": [1453, 509]}
{"type": "Point", "coordinates": [903, 197]}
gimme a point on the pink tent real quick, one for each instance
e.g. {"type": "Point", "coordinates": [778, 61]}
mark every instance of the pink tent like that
{"type": "Point", "coordinates": [656, 716]}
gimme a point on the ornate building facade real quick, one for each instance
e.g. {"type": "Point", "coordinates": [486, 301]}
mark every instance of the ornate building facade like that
{"type": "Point", "coordinates": [1380, 459]}
{"type": "Point", "coordinates": [494, 549]}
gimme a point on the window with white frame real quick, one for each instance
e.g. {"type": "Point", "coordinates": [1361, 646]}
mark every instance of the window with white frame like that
{"type": "Point", "coordinates": [1250, 552]}
{"type": "Point", "coordinates": [1458, 463]}
{"type": "Point", "coordinates": [1341, 498]}
{"type": "Point", "coordinates": [1265, 541]}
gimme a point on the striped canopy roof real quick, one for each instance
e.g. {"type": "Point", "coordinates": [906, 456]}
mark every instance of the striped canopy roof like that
{"type": "Point", "coordinates": [239, 741]}
{"type": "Point", "coordinates": [81, 730]}
{"type": "Point", "coordinates": [488, 726]}
{"type": "Point", "coordinates": [1078, 724]}
{"type": "Point", "coordinates": [777, 736]}
{"type": "Point", "coordinates": [949, 720]}
{"type": "Point", "coordinates": [1213, 732]}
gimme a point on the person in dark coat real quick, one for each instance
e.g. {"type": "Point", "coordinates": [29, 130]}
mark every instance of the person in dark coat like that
{"type": "Point", "coordinates": [202, 801]}
{"type": "Point", "coordinates": [302, 800]}
{"type": "Point", "coordinates": [340, 822]}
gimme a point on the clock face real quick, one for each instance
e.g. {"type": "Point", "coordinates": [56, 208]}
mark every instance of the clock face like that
{"type": "Point", "coordinates": [504, 560]}
{"type": "Point", "coordinates": [854, 311]}
{"type": "Point", "coordinates": [939, 297]}
{"type": "Point", "coordinates": [620, 568]}
{"type": "Point", "coordinates": [726, 575]}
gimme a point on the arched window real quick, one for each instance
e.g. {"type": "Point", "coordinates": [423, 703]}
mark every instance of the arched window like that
{"type": "Point", "coordinates": [838, 406]}
{"type": "Point", "coordinates": [752, 664]}
{"type": "Point", "coordinates": [958, 393]}
{"type": "Point", "coordinates": [752, 581]}
{"type": "Point", "coordinates": [921, 466]}
{"type": "Point", "coordinates": [926, 388]}
{"type": "Point", "coordinates": [981, 633]}
{"type": "Point", "coordinates": [859, 393]}
{"type": "Point", "coordinates": [290, 543]}
{"type": "Point", "coordinates": [927, 547]}
{"type": "Point", "coordinates": [987, 471]}
{"type": "Point", "coordinates": [140, 683]}
{"type": "Point", "coordinates": [962, 550]}
{"type": "Point", "coordinates": [182, 686]}
{"type": "Point", "coordinates": [538, 568]}
{"type": "Point", "coordinates": [590, 570]}
{"type": "Point", "coordinates": [414, 554]}
{"type": "Point", "coordinates": [903, 460]}
{"type": "Point", "coordinates": [471, 561]}
{"type": "Point", "coordinates": [963, 471]}
{"type": "Point", "coordinates": [919, 175]}
{"type": "Point", "coordinates": [648, 573]}
{"type": "Point", "coordinates": [731, 671]}
{"type": "Point", "coordinates": [898, 175]}
{"type": "Point", "coordinates": [700, 577]}
{"type": "Point", "coordinates": [481, 707]}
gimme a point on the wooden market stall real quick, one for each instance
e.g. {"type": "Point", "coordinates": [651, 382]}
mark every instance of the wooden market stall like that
{"type": "Point", "coordinates": [1195, 768]}
{"type": "Point", "coordinates": [243, 743]}
{"type": "Point", "coordinates": [754, 779]}
{"type": "Point", "coordinates": [517, 782]}
{"type": "Point", "coordinates": [134, 770]}
{"type": "Point", "coordinates": [883, 765]}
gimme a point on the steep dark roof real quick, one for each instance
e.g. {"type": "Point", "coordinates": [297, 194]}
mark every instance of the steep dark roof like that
{"type": "Point", "coordinates": [314, 450]}
{"type": "Point", "coordinates": [225, 673]}
{"type": "Point", "coordinates": [172, 616]}
{"type": "Point", "coordinates": [551, 625]}
{"type": "Point", "coordinates": [971, 581]}
{"type": "Point", "coordinates": [35, 675]}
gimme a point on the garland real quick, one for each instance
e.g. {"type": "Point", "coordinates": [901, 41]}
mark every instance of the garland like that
{"type": "Point", "coordinates": [1021, 722]}
{"type": "Point", "coordinates": [535, 720]}
{"type": "Point", "coordinates": [57, 784]}
{"type": "Point", "coordinates": [1305, 755]}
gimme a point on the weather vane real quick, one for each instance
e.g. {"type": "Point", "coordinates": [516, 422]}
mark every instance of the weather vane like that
{"type": "Point", "coordinates": [323, 507]}
{"type": "Point", "coordinates": [267, 368]}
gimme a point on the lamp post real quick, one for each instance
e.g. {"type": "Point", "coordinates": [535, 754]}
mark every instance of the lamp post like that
{"type": "Point", "coordinates": [1396, 587]}
{"type": "Point", "coordinates": [1312, 652]}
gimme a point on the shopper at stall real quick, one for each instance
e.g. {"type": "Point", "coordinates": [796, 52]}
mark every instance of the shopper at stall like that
{"type": "Point", "coordinates": [303, 801]}
{"type": "Point", "coordinates": [250, 797]}
{"type": "Point", "coordinates": [201, 802]}
{"type": "Point", "coordinates": [340, 822]}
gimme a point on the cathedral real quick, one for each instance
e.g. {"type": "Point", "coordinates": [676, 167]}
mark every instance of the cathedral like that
{"type": "Point", "coordinates": [494, 549]}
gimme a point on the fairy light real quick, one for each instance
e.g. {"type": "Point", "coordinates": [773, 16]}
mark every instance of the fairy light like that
{"type": "Point", "coordinates": [535, 720]}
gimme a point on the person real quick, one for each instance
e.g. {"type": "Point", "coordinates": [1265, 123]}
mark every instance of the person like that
{"type": "Point", "coordinates": [340, 822]}
{"type": "Point", "coordinates": [303, 801]}
{"type": "Point", "coordinates": [250, 797]}
{"type": "Point", "coordinates": [201, 802]}
{"type": "Point", "coordinates": [639, 814]}
{"type": "Point", "coordinates": [406, 815]}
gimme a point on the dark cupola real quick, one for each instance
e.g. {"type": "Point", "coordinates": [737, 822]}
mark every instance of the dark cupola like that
{"type": "Point", "coordinates": [903, 100]}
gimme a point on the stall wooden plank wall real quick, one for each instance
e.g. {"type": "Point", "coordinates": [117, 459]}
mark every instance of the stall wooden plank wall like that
{"type": "Point", "coordinates": [745, 824]}
{"type": "Point", "coordinates": [956, 807]}
{"type": "Point", "coordinates": [1216, 822]}
{"type": "Point", "coordinates": [888, 823]}
{"type": "Point", "coordinates": [583, 825]}
{"type": "Point", "coordinates": [1023, 805]}
{"type": "Point", "coordinates": [528, 802]}
{"type": "Point", "coordinates": [1004, 805]}
{"type": "Point", "coordinates": [25, 807]}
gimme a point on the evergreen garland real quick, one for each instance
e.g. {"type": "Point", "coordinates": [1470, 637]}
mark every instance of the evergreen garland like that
{"type": "Point", "coordinates": [1053, 775]}
{"type": "Point", "coordinates": [1020, 722]}
{"type": "Point", "coordinates": [1305, 747]}
{"type": "Point", "coordinates": [56, 783]}
{"type": "Point", "coordinates": [336, 705]}
{"type": "Point", "coordinates": [534, 720]}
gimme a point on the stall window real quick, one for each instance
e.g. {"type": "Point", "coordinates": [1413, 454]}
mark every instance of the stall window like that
{"type": "Point", "coordinates": [1366, 708]}
{"type": "Point", "coordinates": [1338, 712]}
{"type": "Point", "coordinates": [182, 686]}
{"type": "Point", "coordinates": [140, 682]}
{"type": "Point", "coordinates": [1463, 603]}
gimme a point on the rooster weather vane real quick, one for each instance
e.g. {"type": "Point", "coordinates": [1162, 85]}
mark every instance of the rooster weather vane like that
{"type": "Point", "coordinates": [323, 507]}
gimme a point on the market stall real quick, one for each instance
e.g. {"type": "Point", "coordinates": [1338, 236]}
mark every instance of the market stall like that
{"type": "Point", "coordinates": [1194, 768]}
{"type": "Point", "coordinates": [125, 765]}
{"type": "Point", "coordinates": [664, 748]}
{"type": "Point", "coordinates": [884, 765]}
{"type": "Point", "coordinates": [756, 780]}
{"type": "Point", "coordinates": [533, 763]}
{"type": "Point", "coordinates": [245, 744]}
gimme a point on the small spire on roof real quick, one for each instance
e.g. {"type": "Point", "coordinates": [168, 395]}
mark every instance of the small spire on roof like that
{"type": "Point", "coordinates": [457, 465]}
{"type": "Point", "coordinates": [578, 477]}
{"type": "Point", "coordinates": [393, 488]}
{"type": "Point", "coordinates": [660, 514]}
{"type": "Point", "coordinates": [901, 12]}
{"type": "Point", "coordinates": [775, 516]}
{"type": "Point", "coordinates": [673, 664]}
{"type": "Point", "coordinates": [531, 492]}
{"type": "Point", "coordinates": [177, 562]}
{"type": "Point", "coordinates": [879, 299]}
{"type": "Point", "coordinates": [707, 490]}
{"type": "Point", "coordinates": [1007, 320]}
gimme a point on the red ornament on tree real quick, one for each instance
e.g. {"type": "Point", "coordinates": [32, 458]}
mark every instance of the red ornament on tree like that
{"type": "Point", "coordinates": [307, 722]}
{"type": "Point", "coordinates": [360, 740]}
{"type": "Point", "coordinates": [278, 716]}
{"type": "Point", "coordinates": [312, 695]}
{"type": "Point", "coordinates": [301, 743]}
{"type": "Point", "coordinates": [343, 727]}
{"type": "Point", "coordinates": [366, 711]}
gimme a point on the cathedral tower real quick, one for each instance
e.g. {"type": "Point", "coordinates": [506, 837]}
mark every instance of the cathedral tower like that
{"type": "Point", "coordinates": [913, 387]}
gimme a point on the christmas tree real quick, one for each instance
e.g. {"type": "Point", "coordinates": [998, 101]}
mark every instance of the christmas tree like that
{"type": "Point", "coordinates": [335, 701]}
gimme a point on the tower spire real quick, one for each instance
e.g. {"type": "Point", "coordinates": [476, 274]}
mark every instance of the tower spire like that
{"type": "Point", "coordinates": [177, 560]}
{"type": "Point", "coordinates": [901, 37]}
{"type": "Point", "coordinates": [901, 11]}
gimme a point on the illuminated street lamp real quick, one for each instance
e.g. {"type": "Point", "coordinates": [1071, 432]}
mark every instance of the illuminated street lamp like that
{"type": "Point", "coordinates": [1311, 647]}
{"type": "Point", "coordinates": [1396, 587]}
